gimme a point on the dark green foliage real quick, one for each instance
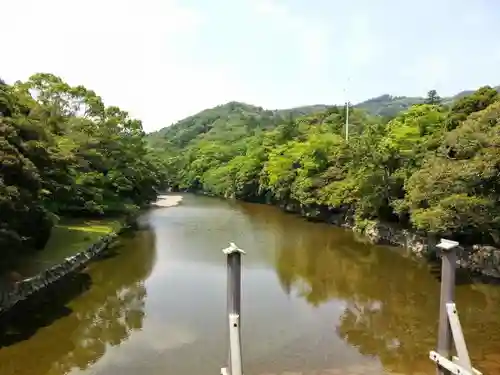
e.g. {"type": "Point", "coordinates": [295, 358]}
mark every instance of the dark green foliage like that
{"type": "Point", "coordinates": [414, 169]}
{"type": "Point", "coordinates": [64, 153]}
{"type": "Point", "coordinates": [457, 189]}
{"type": "Point", "coordinates": [389, 106]}
{"type": "Point", "coordinates": [433, 98]}
{"type": "Point", "coordinates": [466, 105]}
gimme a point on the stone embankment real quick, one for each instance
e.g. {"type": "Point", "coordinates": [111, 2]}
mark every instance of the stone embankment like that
{"type": "Point", "coordinates": [13, 293]}
{"type": "Point", "coordinates": [23, 289]}
{"type": "Point", "coordinates": [481, 259]}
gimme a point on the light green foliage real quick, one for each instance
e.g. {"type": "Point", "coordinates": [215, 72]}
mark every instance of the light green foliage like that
{"type": "Point", "coordinates": [294, 169]}
{"type": "Point", "coordinates": [469, 104]}
{"type": "Point", "coordinates": [412, 169]}
{"type": "Point", "coordinates": [411, 129]}
{"type": "Point", "coordinates": [73, 235]}
{"type": "Point", "coordinates": [458, 189]}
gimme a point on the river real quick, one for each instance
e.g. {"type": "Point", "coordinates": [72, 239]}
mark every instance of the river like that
{"type": "Point", "coordinates": [315, 300]}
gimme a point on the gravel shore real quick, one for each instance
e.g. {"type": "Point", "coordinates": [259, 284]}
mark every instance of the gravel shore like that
{"type": "Point", "coordinates": [167, 200]}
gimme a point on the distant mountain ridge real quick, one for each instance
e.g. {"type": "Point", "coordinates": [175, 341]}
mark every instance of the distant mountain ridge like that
{"type": "Point", "coordinates": [237, 120]}
{"type": "Point", "coordinates": [388, 105]}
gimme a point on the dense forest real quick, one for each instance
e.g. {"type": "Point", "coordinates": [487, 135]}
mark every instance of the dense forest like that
{"type": "Point", "coordinates": [64, 153]}
{"type": "Point", "coordinates": [389, 106]}
{"type": "Point", "coordinates": [433, 167]}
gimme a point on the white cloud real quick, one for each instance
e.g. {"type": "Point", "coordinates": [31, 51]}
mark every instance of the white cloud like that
{"type": "Point", "coordinates": [429, 72]}
{"type": "Point", "coordinates": [132, 53]}
{"type": "Point", "coordinates": [139, 54]}
{"type": "Point", "coordinates": [363, 46]}
{"type": "Point", "coordinates": [272, 8]}
{"type": "Point", "coordinates": [473, 19]}
{"type": "Point", "coordinates": [477, 15]}
{"type": "Point", "coordinates": [311, 35]}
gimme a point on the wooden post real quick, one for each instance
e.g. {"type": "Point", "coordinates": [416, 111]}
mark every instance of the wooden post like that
{"type": "Point", "coordinates": [234, 309]}
{"type": "Point", "coordinates": [448, 269]}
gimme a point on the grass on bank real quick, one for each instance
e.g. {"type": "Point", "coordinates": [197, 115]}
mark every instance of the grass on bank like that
{"type": "Point", "coordinates": [74, 235]}
{"type": "Point", "coordinates": [68, 237]}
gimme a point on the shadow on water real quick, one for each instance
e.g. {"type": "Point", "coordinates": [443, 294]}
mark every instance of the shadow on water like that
{"type": "Point", "coordinates": [364, 299]}
{"type": "Point", "coordinates": [42, 309]}
{"type": "Point", "coordinates": [462, 275]}
{"type": "Point", "coordinates": [99, 309]}
{"type": "Point", "coordinates": [49, 304]}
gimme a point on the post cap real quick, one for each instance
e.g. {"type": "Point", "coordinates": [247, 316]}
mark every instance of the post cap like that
{"type": "Point", "coordinates": [447, 244]}
{"type": "Point", "coordinates": [232, 249]}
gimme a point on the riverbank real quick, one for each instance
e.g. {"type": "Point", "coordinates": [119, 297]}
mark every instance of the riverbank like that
{"type": "Point", "coordinates": [167, 201]}
{"type": "Point", "coordinates": [73, 244]}
{"type": "Point", "coordinates": [482, 259]}
{"type": "Point", "coordinates": [478, 258]}
{"type": "Point", "coordinates": [22, 290]}
{"type": "Point", "coordinates": [71, 247]}
{"type": "Point", "coordinates": [68, 237]}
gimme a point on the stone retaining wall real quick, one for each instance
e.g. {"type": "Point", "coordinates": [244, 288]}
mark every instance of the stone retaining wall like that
{"type": "Point", "coordinates": [21, 290]}
{"type": "Point", "coordinates": [481, 259]}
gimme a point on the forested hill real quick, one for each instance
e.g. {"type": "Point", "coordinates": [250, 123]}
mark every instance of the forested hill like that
{"type": "Point", "coordinates": [64, 153]}
{"type": "Point", "coordinates": [389, 106]}
{"type": "Point", "coordinates": [434, 167]}
{"type": "Point", "coordinates": [230, 121]}
{"type": "Point", "coordinates": [228, 117]}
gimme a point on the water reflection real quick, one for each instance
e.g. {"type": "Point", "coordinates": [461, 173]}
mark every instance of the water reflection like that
{"type": "Point", "coordinates": [391, 301]}
{"type": "Point", "coordinates": [314, 301]}
{"type": "Point", "coordinates": [103, 316]}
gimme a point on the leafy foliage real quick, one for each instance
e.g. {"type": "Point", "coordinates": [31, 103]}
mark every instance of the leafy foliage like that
{"type": "Point", "coordinates": [433, 97]}
{"type": "Point", "coordinates": [63, 152]}
{"type": "Point", "coordinates": [389, 106]}
{"type": "Point", "coordinates": [434, 167]}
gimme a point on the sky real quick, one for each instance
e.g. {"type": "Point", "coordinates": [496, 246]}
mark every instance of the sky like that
{"type": "Point", "coordinates": [163, 60]}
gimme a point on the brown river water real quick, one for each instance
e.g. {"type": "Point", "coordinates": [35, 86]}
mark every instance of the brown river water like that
{"type": "Point", "coordinates": [315, 300]}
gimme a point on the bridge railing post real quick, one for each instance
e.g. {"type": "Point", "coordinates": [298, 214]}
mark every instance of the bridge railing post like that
{"type": "Point", "coordinates": [233, 254]}
{"type": "Point", "coordinates": [448, 270]}
{"type": "Point", "coordinates": [450, 331]}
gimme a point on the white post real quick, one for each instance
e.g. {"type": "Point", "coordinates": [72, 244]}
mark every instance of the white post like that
{"type": "Point", "coordinates": [234, 308]}
{"type": "Point", "coordinates": [463, 358]}
{"type": "Point", "coordinates": [235, 344]}
{"type": "Point", "coordinates": [448, 267]}
{"type": "Point", "coordinates": [347, 121]}
{"type": "Point", "coordinates": [450, 330]}
{"type": "Point", "coordinates": [347, 111]}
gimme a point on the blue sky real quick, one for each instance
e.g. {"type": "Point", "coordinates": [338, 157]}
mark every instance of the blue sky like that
{"type": "Point", "coordinates": [163, 60]}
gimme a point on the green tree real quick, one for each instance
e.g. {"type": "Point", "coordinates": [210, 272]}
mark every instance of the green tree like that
{"type": "Point", "coordinates": [469, 104]}
{"type": "Point", "coordinates": [63, 152]}
{"type": "Point", "coordinates": [431, 167]}
{"type": "Point", "coordinates": [433, 98]}
{"type": "Point", "coordinates": [456, 190]}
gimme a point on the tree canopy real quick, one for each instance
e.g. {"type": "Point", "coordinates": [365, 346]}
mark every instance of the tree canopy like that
{"type": "Point", "coordinates": [434, 167]}
{"type": "Point", "coordinates": [63, 152]}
